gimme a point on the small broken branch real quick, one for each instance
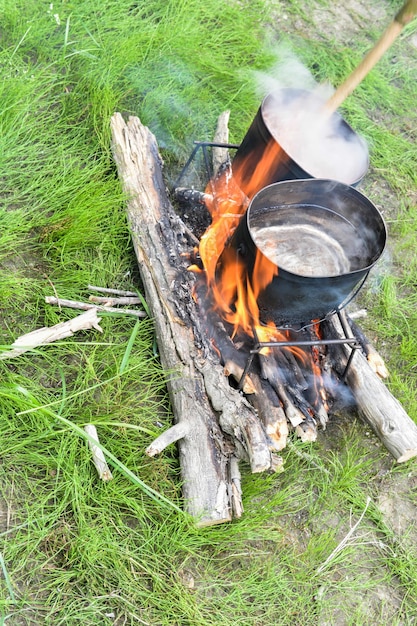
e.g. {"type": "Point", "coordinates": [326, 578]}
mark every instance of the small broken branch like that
{"type": "Point", "coordinates": [115, 292]}
{"type": "Point", "coordinates": [115, 301]}
{"type": "Point", "coordinates": [98, 457]}
{"type": "Point", "coordinates": [49, 334]}
{"type": "Point", "coordinates": [172, 435]}
{"type": "Point", "coordinates": [85, 306]}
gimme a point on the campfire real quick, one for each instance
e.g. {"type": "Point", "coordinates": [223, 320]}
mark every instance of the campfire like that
{"type": "Point", "coordinates": [274, 267]}
{"type": "Point", "coordinates": [251, 315]}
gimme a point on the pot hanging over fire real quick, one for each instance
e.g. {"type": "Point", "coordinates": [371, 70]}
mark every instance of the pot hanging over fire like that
{"type": "Point", "coordinates": [323, 236]}
{"type": "Point", "coordinates": [291, 137]}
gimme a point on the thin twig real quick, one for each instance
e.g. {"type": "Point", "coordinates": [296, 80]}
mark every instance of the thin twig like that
{"type": "Point", "coordinates": [85, 306]}
{"type": "Point", "coordinates": [115, 292]}
{"type": "Point", "coordinates": [344, 541]}
{"type": "Point", "coordinates": [115, 301]}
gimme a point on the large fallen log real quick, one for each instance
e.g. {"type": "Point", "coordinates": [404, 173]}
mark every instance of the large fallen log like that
{"type": "Point", "coordinates": [206, 409]}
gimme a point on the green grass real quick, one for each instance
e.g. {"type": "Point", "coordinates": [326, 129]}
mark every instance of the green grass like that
{"type": "Point", "coordinates": [74, 550]}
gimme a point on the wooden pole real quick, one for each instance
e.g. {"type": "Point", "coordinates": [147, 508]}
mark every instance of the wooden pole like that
{"type": "Point", "coordinates": [403, 17]}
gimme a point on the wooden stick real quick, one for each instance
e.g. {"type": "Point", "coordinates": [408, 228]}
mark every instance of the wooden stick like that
{"type": "Point", "coordinates": [307, 431]}
{"type": "Point", "coordinates": [270, 411]}
{"type": "Point", "coordinates": [99, 459]}
{"type": "Point", "coordinates": [85, 306]}
{"type": "Point", "coordinates": [271, 372]}
{"type": "Point", "coordinates": [374, 359]}
{"type": "Point", "coordinates": [172, 435]}
{"type": "Point", "coordinates": [236, 487]}
{"type": "Point", "coordinates": [237, 418]}
{"type": "Point", "coordinates": [403, 17]}
{"type": "Point", "coordinates": [115, 301]}
{"type": "Point", "coordinates": [115, 292]}
{"type": "Point", "coordinates": [48, 334]}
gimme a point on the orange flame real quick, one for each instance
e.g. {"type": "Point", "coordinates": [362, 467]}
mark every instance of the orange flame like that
{"type": "Point", "coordinates": [235, 293]}
{"type": "Point", "coordinates": [253, 177]}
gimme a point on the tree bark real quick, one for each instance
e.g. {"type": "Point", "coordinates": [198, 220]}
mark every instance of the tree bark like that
{"type": "Point", "coordinates": [205, 407]}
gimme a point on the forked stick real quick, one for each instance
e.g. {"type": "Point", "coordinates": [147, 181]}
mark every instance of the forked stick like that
{"type": "Point", "coordinates": [403, 17]}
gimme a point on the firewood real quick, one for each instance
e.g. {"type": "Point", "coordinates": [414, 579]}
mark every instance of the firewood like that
{"type": "Point", "coordinates": [307, 431]}
{"type": "Point", "coordinates": [270, 411]}
{"type": "Point", "coordinates": [192, 196]}
{"type": "Point", "coordinates": [271, 372]}
{"type": "Point", "coordinates": [387, 418]}
{"type": "Point", "coordinates": [85, 306]}
{"type": "Point", "coordinates": [222, 426]}
{"type": "Point", "coordinates": [204, 452]}
{"type": "Point", "coordinates": [236, 487]}
{"type": "Point", "coordinates": [115, 300]}
{"type": "Point", "coordinates": [374, 359]}
{"type": "Point", "coordinates": [172, 435]}
{"type": "Point", "coordinates": [114, 292]}
{"type": "Point", "coordinates": [49, 334]}
{"type": "Point", "coordinates": [237, 418]}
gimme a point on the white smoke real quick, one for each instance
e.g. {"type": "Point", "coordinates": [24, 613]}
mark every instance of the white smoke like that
{"type": "Point", "coordinates": [321, 144]}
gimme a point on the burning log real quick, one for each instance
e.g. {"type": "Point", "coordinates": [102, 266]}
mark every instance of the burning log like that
{"type": "Point", "coordinates": [205, 407]}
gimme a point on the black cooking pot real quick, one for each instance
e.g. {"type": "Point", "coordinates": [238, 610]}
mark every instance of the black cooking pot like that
{"type": "Point", "coordinates": [324, 237]}
{"type": "Point", "coordinates": [324, 147]}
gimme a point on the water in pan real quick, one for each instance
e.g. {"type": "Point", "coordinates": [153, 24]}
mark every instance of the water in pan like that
{"type": "Point", "coordinates": [302, 249]}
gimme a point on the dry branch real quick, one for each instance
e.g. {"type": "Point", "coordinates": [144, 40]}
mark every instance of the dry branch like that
{"type": "Point", "coordinates": [114, 292]}
{"type": "Point", "coordinates": [86, 306]}
{"type": "Point", "coordinates": [49, 334]}
{"type": "Point", "coordinates": [115, 301]}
